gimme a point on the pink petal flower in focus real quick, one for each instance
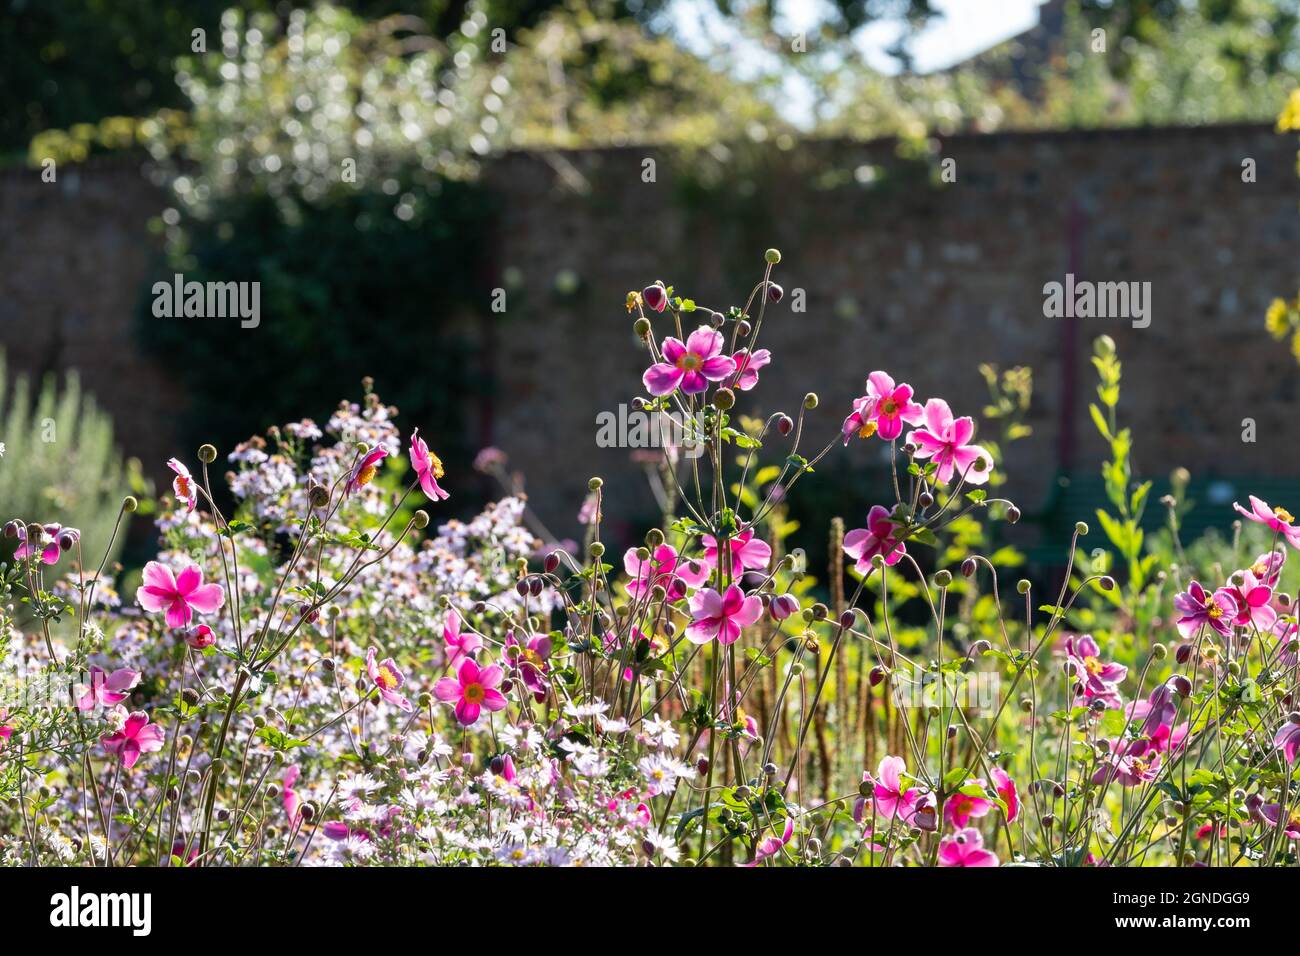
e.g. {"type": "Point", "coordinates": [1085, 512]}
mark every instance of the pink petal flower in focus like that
{"type": "Point", "coordinates": [946, 441]}
{"type": "Point", "coordinates": [365, 469]}
{"type": "Point", "coordinates": [721, 616]}
{"type": "Point", "coordinates": [180, 595]}
{"type": "Point", "coordinates": [965, 848]}
{"type": "Point", "coordinates": [471, 691]}
{"type": "Point", "coordinates": [691, 366]}
{"type": "Point", "coordinates": [136, 737]}
{"type": "Point", "coordinates": [1277, 519]}
{"type": "Point", "coordinates": [105, 689]}
{"type": "Point", "coordinates": [879, 537]}
{"type": "Point", "coordinates": [428, 467]}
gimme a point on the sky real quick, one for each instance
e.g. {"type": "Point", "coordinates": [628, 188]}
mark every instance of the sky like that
{"type": "Point", "coordinates": [965, 28]}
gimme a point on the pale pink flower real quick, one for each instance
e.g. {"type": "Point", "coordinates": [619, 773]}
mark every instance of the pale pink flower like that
{"type": "Point", "coordinates": [1278, 519]}
{"type": "Point", "coordinates": [1006, 789]}
{"type": "Point", "coordinates": [879, 537]}
{"type": "Point", "coordinates": [1251, 598]}
{"type": "Point", "coordinates": [1287, 739]}
{"type": "Point", "coordinates": [183, 485]}
{"type": "Point", "coordinates": [180, 595]}
{"type": "Point", "coordinates": [1197, 607]}
{"type": "Point", "coordinates": [961, 807]}
{"type": "Point", "coordinates": [388, 679]}
{"type": "Point", "coordinates": [105, 689]}
{"type": "Point", "coordinates": [747, 367]}
{"type": "Point", "coordinates": [747, 552]}
{"type": "Point", "coordinates": [890, 407]}
{"type": "Point", "coordinates": [458, 644]}
{"type": "Point", "coordinates": [44, 539]}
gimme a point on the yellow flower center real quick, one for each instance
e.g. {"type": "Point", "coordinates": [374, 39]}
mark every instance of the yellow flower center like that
{"type": "Point", "coordinates": [435, 465]}
{"type": "Point", "coordinates": [889, 406]}
{"type": "Point", "coordinates": [1093, 665]}
{"type": "Point", "coordinates": [1283, 514]}
{"type": "Point", "coordinates": [386, 678]}
{"type": "Point", "coordinates": [531, 656]}
{"type": "Point", "coordinates": [1259, 568]}
{"type": "Point", "coordinates": [690, 362]}
{"type": "Point", "coordinates": [867, 430]}
{"type": "Point", "coordinates": [1215, 612]}
{"type": "Point", "coordinates": [365, 475]}
{"type": "Point", "coordinates": [474, 693]}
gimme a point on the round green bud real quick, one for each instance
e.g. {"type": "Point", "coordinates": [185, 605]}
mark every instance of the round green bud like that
{"type": "Point", "coordinates": [129, 504]}
{"type": "Point", "coordinates": [810, 401]}
{"type": "Point", "coordinates": [942, 578]}
{"type": "Point", "coordinates": [596, 549]}
{"type": "Point", "coordinates": [772, 256]}
{"type": "Point", "coordinates": [595, 484]}
{"type": "Point", "coordinates": [1023, 586]}
{"type": "Point", "coordinates": [420, 519]}
{"type": "Point", "coordinates": [207, 454]}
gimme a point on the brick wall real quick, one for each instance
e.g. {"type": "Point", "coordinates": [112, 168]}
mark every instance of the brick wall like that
{"type": "Point", "coordinates": [924, 282]}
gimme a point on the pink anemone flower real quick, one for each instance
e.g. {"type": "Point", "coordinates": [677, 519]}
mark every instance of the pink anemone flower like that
{"type": "Point", "coordinates": [946, 441]}
{"type": "Point", "coordinates": [105, 689]}
{"type": "Point", "coordinates": [747, 367]}
{"type": "Point", "coordinates": [388, 679]}
{"type": "Point", "coordinates": [1272, 815]}
{"type": "Point", "coordinates": [292, 805]}
{"type": "Point", "coordinates": [43, 539]}
{"type": "Point", "coordinates": [861, 421]}
{"type": "Point", "coordinates": [365, 469]}
{"type": "Point", "coordinates": [892, 406]}
{"type": "Point", "coordinates": [1251, 598]}
{"type": "Point", "coordinates": [136, 737]}
{"type": "Point", "coordinates": [1132, 763]}
{"type": "Point", "coordinates": [771, 846]}
{"type": "Point", "coordinates": [691, 366]}
{"type": "Point", "coordinates": [530, 661]}
{"type": "Point", "coordinates": [1287, 739]}
{"type": "Point", "coordinates": [180, 595]}
{"type": "Point", "coordinates": [472, 690]}
{"type": "Point", "coordinates": [721, 615]}
{"type": "Point", "coordinates": [889, 797]}
{"type": "Point", "coordinates": [1006, 789]}
{"type": "Point", "coordinates": [659, 570]}
{"type": "Point", "coordinates": [747, 552]}
{"type": "Point", "coordinates": [428, 467]}
{"type": "Point", "coordinates": [200, 636]}
{"type": "Point", "coordinates": [458, 644]}
{"type": "Point", "coordinates": [960, 808]}
{"type": "Point", "coordinates": [1095, 679]}
{"type": "Point", "coordinates": [1277, 519]}
{"type": "Point", "coordinates": [183, 485]}
{"type": "Point", "coordinates": [879, 537]}
{"type": "Point", "coordinates": [1198, 607]}
{"type": "Point", "coordinates": [965, 848]}
{"type": "Point", "coordinates": [6, 730]}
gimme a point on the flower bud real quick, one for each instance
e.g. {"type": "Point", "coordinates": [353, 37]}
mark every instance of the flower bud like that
{"type": "Point", "coordinates": [784, 424]}
{"type": "Point", "coordinates": [968, 567]}
{"type": "Point", "coordinates": [723, 399]}
{"type": "Point", "coordinates": [641, 327]}
{"type": "Point", "coordinates": [774, 292]}
{"type": "Point", "coordinates": [1022, 586]}
{"type": "Point", "coordinates": [420, 519]}
{"type": "Point", "coordinates": [782, 606]}
{"type": "Point", "coordinates": [129, 504]}
{"type": "Point", "coordinates": [1081, 528]}
{"type": "Point", "coordinates": [594, 484]}
{"type": "Point", "coordinates": [1159, 652]}
{"type": "Point", "coordinates": [942, 578]}
{"type": "Point", "coordinates": [925, 499]}
{"type": "Point", "coordinates": [1183, 654]}
{"type": "Point", "coordinates": [876, 675]}
{"type": "Point", "coordinates": [1106, 582]}
{"type": "Point", "coordinates": [1180, 685]}
{"type": "Point", "coordinates": [772, 256]}
{"type": "Point", "coordinates": [810, 401]}
{"type": "Point", "coordinates": [200, 636]}
{"type": "Point", "coordinates": [596, 549]}
{"type": "Point", "coordinates": [552, 562]}
{"type": "Point", "coordinates": [655, 297]}
{"type": "Point", "coordinates": [1013, 514]}
{"type": "Point", "coordinates": [207, 454]}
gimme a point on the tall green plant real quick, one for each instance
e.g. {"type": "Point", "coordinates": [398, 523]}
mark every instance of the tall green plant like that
{"type": "Point", "coordinates": [59, 461]}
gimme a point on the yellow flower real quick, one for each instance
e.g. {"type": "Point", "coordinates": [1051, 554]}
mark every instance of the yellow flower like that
{"type": "Point", "coordinates": [1275, 319]}
{"type": "Point", "coordinates": [1290, 118]}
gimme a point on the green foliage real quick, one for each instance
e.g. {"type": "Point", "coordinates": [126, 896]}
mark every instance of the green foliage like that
{"type": "Point", "coordinates": [59, 460]}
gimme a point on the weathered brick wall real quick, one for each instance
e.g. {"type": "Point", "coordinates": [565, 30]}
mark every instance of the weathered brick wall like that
{"type": "Point", "coordinates": [924, 282]}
